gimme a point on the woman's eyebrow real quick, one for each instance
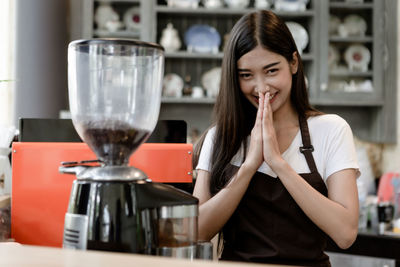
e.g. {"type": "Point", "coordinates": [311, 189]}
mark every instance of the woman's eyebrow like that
{"type": "Point", "coordinates": [271, 65]}
{"type": "Point", "coordinates": [265, 67]}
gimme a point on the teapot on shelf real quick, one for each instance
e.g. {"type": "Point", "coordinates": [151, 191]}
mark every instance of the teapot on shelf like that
{"type": "Point", "coordinates": [170, 39]}
{"type": "Point", "coordinates": [107, 18]}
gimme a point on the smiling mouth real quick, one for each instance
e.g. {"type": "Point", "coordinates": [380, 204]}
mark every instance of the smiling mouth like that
{"type": "Point", "coordinates": [270, 97]}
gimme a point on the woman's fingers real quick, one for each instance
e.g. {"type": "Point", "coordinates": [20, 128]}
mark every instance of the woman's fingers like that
{"type": "Point", "coordinates": [260, 107]}
{"type": "Point", "coordinates": [254, 157]}
{"type": "Point", "coordinates": [266, 109]}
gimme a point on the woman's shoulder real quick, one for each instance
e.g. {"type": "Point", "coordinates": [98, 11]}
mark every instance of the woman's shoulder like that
{"type": "Point", "coordinates": [209, 137]}
{"type": "Point", "coordinates": [327, 121]}
{"type": "Point", "coordinates": [328, 125]}
{"type": "Point", "coordinates": [211, 132]}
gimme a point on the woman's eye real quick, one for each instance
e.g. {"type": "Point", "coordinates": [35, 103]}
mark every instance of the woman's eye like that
{"type": "Point", "coordinates": [244, 75]}
{"type": "Point", "coordinates": [271, 71]}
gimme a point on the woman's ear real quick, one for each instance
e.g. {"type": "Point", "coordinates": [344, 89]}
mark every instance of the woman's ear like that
{"type": "Point", "coordinates": [294, 64]}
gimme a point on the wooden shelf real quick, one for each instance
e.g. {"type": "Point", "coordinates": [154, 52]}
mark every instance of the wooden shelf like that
{"type": "Point", "coordinates": [220, 55]}
{"type": "Point", "coordinates": [226, 11]}
{"type": "Point", "coordinates": [126, 34]}
{"type": "Point", "coordinates": [351, 39]}
{"type": "Point", "coordinates": [342, 73]}
{"type": "Point", "coordinates": [376, 105]}
{"type": "Point", "coordinates": [185, 54]}
{"type": "Point", "coordinates": [187, 100]}
{"type": "Point", "coordinates": [332, 101]}
{"type": "Point", "coordinates": [120, 1]}
{"type": "Point", "coordinates": [344, 5]}
{"type": "Point", "coordinates": [307, 57]}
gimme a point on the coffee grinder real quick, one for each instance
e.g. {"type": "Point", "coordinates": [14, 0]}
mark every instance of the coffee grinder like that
{"type": "Point", "coordinates": [114, 96]}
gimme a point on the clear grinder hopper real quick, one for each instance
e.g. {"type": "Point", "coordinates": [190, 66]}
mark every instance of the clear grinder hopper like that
{"type": "Point", "coordinates": [115, 96]}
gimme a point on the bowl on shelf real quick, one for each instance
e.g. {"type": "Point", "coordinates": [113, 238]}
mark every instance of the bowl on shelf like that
{"type": "Point", "coordinates": [353, 25]}
{"type": "Point", "coordinates": [237, 3]}
{"type": "Point", "coordinates": [290, 5]}
{"type": "Point", "coordinates": [300, 35]}
{"type": "Point", "coordinates": [262, 4]}
{"type": "Point", "coordinates": [172, 85]}
{"type": "Point", "coordinates": [183, 3]}
{"type": "Point", "coordinates": [105, 14]}
{"type": "Point", "coordinates": [213, 3]}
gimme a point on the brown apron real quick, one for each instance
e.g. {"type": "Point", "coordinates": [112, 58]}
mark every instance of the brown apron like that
{"type": "Point", "coordinates": [269, 227]}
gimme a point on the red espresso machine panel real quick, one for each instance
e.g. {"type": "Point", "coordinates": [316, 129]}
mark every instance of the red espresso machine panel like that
{"type": "Point", "coordinates": [40, 194]}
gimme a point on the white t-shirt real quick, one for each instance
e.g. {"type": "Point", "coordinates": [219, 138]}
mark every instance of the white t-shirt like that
{"type": "Point", "coordinates": [330, 135]}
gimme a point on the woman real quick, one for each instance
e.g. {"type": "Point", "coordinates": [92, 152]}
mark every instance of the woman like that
{"type": "Point", "coordinates": [275, 176]}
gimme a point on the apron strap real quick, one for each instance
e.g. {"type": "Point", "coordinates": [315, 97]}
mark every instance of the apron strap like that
{"type": "Point", "coordinates": [307, 147]}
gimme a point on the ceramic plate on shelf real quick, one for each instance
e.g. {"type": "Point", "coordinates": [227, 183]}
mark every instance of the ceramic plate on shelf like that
{"type": "Point", "coordinates": [132, 19]}
{"type": "Point", "coordinates": [357, 57]}
{"type": "Point", "coordinates": [211, 80]}
{"type": "Point", "coordinates": [237, 3]}
{"type": "Point", "coordinates": [300, 35]}
{"type": "Point", "coordinates": [202, 39]}
{"type": "Point", "coordinates": [353, 25]}
{"type": "Point", "coordinates": [172, 85]}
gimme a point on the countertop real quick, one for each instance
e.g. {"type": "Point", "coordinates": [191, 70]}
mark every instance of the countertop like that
{"type": "Point", "coordinates": [14, 254]}
{"type": "Point", "coordinates": [371, 244]}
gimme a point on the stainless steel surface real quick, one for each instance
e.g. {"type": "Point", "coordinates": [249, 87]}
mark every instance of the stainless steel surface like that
{"type": "Point", "coordinates": [71, 170]}
{"type": "Point", "coordinates": [75, 231]}
{"type": "Point", "coordinates": [181, 211]}
{"type": "Point", "coordinates": [188, 252]}
{"type": "Point", "coordinates": [112, 173]}
{"type": "Point", "coordinates": [346, 260]}
{"type": "Point", "coordinates": [204, 250]}
{"type": "Point", "coordinates": [177, 232]}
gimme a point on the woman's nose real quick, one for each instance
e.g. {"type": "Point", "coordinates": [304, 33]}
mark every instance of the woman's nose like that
{"type": "Point", "coordinates": [262, 88]}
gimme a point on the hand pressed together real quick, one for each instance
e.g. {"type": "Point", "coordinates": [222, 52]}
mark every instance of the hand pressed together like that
{"type": "Point", "coordinates": [271, 152]}
{"type": "Point", "coordinates": [254, 157]}
{"type": "Point", "coordinates": [263, 142]}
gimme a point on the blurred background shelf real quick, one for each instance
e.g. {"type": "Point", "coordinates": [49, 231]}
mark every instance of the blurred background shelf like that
{"type": "Point", "coordinates": [126, 34]}
{"type": "Point", "coordinates": [363, 39]}
{"type": "Point", "coordinates": [380, 17]}
{"type": "Point", "coordinates": [225, 11]}
{"type": "Point", "coordinates": [353, 6]}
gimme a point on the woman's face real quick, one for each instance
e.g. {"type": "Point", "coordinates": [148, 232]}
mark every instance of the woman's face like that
{"type": "Point", "coordinates": [261, 70]}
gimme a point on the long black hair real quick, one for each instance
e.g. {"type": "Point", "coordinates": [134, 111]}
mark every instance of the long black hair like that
{"type": "Point", "coordinates": [234, 115]}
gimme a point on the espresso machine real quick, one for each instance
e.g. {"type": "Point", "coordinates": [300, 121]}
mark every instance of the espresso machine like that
{"type": "Point", "coordinates": [114, 97]}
